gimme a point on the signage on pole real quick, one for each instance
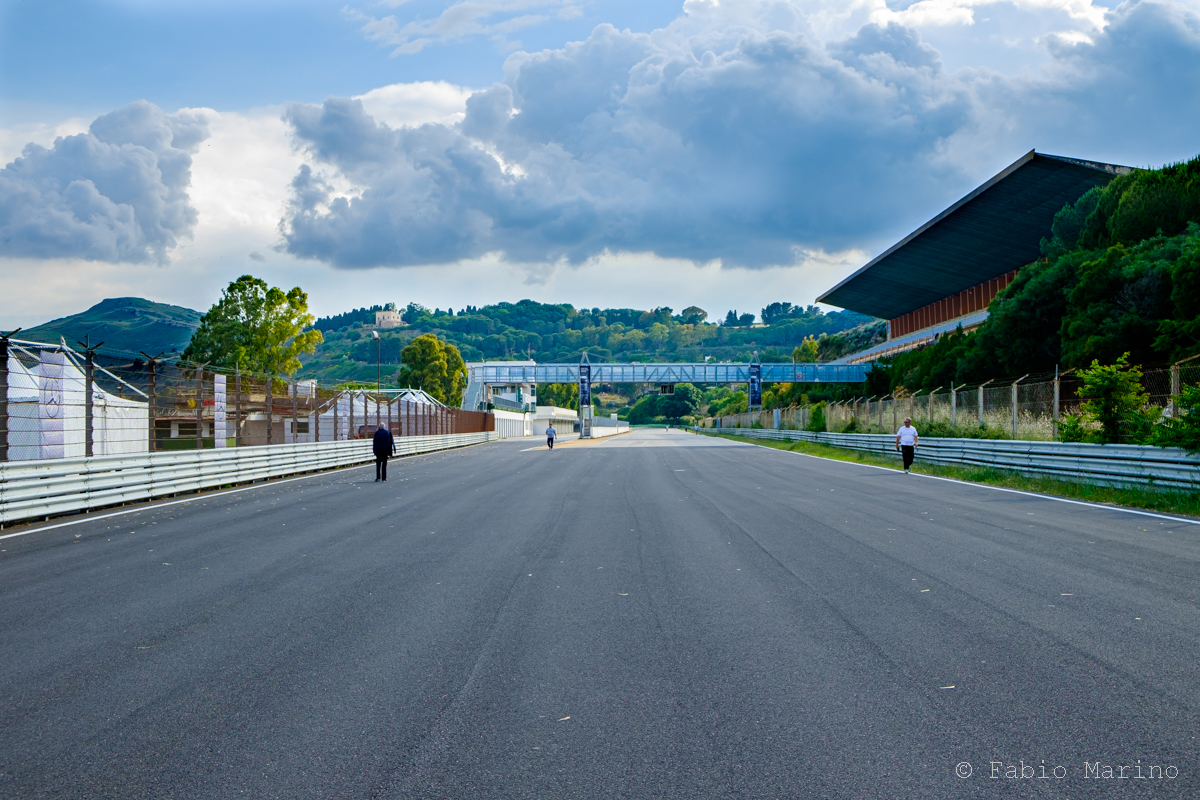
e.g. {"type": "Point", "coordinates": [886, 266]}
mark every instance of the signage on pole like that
{"type": "Point", "coordinates": [755, 385]}
{"type": "Point", "coordinates": [585, 386]}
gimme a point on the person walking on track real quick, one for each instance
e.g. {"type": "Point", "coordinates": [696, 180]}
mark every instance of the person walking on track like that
{"type": "Point", "coordinates": [906, 442]}
{"type": "Point", "coordinates": [550, 434]}
{"type": "Point", "coordinates": [384, 446]}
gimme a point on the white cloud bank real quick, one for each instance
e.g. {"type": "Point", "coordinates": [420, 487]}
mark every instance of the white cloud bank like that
{"type": "Point", "coordinates": [734, 135]}
{"type": "Point", "coordinates": [759, 134]}
{"type": "Point", "coordinates": [115, 193]}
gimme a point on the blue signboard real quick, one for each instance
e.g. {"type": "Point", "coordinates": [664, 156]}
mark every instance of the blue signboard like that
{"type": "Point", "coordinates": [755, 385]}
{"type": "Point", "coordinates": [585, 386]}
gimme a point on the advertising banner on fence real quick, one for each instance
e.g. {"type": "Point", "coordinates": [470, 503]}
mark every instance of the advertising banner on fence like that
{"type": "Point", "coordinates": [219, 411]}
{"type": "Point", "coordinates": [50, 404]}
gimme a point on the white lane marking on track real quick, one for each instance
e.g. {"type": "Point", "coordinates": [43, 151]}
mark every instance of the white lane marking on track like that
{"type": "Point", "coordinates": [1002, 489]}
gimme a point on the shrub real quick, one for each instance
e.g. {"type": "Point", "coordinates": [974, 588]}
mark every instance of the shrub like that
{"type": "Point", "coordinates": [1184, 430]}
{"type": "Point", "coordinates": [940, 429]}
{"type": "Point", "coordinates": [816, 421]}
{"type": "Point", "coordinates": [1072, 428]}
{"type": "Point", "coordinates": [1113, 396]}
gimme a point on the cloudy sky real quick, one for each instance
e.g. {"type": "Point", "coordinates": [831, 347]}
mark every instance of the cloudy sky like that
{"type": "Point", "coordinates": [636, 153]}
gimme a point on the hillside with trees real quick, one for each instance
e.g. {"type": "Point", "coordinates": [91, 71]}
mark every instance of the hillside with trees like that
{"type": "Point", "coordinates": [1120, 274]}
{"type": "Point", "coordinates": [547, 332]}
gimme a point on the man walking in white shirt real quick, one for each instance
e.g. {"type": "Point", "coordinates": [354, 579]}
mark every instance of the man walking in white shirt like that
{"type": "Point", "coordinates": [906, 442]}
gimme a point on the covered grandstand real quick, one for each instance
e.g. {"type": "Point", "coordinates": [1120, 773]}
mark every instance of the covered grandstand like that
{"type": "Point", "coordinates": [944, 274]}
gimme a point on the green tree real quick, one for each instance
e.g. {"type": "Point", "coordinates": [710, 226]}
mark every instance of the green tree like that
{"type": "Point", "coordinates": [684, 402]}
{"type": "Point", "coordinates": [435, 366]}
{"type": "Point", "coordinates": [805, 352]}
{"type": "Point", "coordinates": [658, 334]}
{"type": "Point", "coordinates": [256, 327]}
{"type": "Point", "coordinates": [1112, 395]}
{"type": "Point", "coordinates": [560, 395]}
{"type": "Point", "coordinates": [693, 315]}
{"type": "Point", "coordinates": [816, 421]}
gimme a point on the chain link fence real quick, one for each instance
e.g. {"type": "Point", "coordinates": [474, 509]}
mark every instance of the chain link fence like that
{"type": "Point", "coordinates": [59, 402]}
{"type": "Point", "coordinates": [1014, 410]}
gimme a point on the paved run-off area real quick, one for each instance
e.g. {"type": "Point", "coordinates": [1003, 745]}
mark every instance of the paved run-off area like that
{"type": "Point", "coordinates": [658, 615]}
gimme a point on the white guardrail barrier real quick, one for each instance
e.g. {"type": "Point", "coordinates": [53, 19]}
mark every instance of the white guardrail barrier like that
{"type": "Point", "coordinates": [32, 489]}
{"type": "Point", "coordinates": [1108, 464]}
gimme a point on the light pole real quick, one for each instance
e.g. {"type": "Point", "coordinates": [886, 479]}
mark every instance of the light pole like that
{"type": "Point", "coordinates": [378, 373]}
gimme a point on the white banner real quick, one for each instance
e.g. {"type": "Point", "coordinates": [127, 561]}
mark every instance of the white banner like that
{"type": "Point", "coordinates": [219, 411]}
{"type": "Point", "coordinates": [50, 403]}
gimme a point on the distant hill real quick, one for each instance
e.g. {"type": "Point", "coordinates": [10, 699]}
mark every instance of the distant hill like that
{"type": "Point", "coordinates": [126, 325]}
{"type": "Point", "coordinates": [560, 333]}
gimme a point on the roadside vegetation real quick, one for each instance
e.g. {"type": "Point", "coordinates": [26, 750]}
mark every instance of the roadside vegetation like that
{"type": "Point", "coordinates": [1149, 498]}
{"type": "Point", "coordinates": [1120, 275]}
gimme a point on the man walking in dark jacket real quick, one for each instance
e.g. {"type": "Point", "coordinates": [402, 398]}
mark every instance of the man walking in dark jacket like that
{"type": "Point", "coordinates": [384, 446]}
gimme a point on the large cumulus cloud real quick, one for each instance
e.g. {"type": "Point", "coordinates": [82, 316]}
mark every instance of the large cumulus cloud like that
{"type": "Point", "coordinates": [747, 142]}
{"type": "Point", "coordinates": [115, 193]}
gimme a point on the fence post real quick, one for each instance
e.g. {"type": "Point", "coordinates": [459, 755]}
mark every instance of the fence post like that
{"type": "Point", "coordinates": [953, 405]}
{"type": "Point", "coordinates": [350, 421]}
{"type": "Point", "coordinates": [270, 410]}
{"type": "Point", "coordinates": [152, 401]}
{"type": "Point", "coordinates": [931, 394]}
{"type": "Point", "coordinates": [912, 405]}
{"type": "Point", "coordinates": [389, 416]}
{"type": "Point", "coordinates": [1014, 404]}
{"type": "Point", "coordinates": [894, 420]}
{"type": "Point", "coordinates": [985, 383]}
{"type": "Point", "coordinates": [3, 398]}
{"type": "Point", "coordinates": [1054, 416]}
{"type": "Point", "coordinates": [237, 406]}
{"type": "Point", "coordinates": [200, 408]}
{"type": "Point", "coordinates": [365, 415]}
{"type": "Point", "coordinates": [1175, 390]}
{"type": "Point", "coordinates": [295, 414]}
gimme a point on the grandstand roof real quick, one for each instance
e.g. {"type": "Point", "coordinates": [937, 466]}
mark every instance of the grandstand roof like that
{"type": "Point", "coordinates": [993, 230]}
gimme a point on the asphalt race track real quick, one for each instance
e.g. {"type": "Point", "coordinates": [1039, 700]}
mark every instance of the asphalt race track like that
{"type": "Point", "coordinates": [657, 615]}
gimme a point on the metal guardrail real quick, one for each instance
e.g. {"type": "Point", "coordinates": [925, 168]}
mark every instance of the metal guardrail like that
{"type": "Point", "coordinates": [1107, 464]}
{"type": "Point", "coordinates": [32, 489]}
{"type": "Point", "coordinates": [667, 373]}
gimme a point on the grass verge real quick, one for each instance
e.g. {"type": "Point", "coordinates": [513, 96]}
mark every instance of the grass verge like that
{"type": "Point", "coordinates": [1148, 498]}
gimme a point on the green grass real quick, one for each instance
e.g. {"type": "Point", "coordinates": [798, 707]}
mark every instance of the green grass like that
{"type": "Point", "coordinates": [1143, 497]}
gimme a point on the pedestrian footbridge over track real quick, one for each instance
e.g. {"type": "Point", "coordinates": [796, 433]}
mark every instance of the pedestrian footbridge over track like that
{"type": "Point", "coordinates": [494, 373]}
